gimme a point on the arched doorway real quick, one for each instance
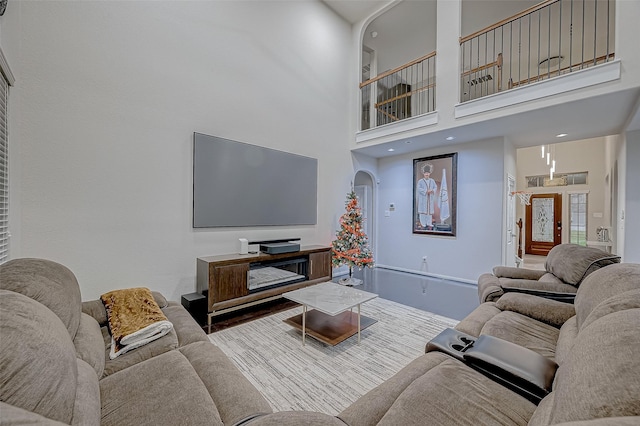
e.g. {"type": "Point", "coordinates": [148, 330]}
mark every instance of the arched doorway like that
{"type": "Point", "coordinates": [363, 185]}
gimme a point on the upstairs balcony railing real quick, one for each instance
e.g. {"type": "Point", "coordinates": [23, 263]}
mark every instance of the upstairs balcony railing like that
{"type": "Point", "coordinates": [403, 92]}
{"type": "Point", "coordinates": [552, 38]}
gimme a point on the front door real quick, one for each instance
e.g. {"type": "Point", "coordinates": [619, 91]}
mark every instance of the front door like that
{"type": "Point", "coordinates": [544, 223]}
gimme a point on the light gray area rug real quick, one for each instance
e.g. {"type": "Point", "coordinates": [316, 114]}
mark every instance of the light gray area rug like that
{"type": "Point", "coordinates": [323, 378]}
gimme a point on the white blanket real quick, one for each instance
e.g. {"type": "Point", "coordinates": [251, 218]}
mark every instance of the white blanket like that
{"type": "Point", "coordinates": [139, 338]}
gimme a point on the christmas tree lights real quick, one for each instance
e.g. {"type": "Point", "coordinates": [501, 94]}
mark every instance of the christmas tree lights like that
{"type": "Point", "coordinates": [351, 246]}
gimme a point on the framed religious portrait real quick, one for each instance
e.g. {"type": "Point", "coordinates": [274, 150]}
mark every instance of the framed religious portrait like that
{"type": "Point", "coordinates": [434, 195]}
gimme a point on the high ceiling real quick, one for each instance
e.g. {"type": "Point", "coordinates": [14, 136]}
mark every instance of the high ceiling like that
{"type": "Point", "coordinates": [605, 115]}
{"type": "Point", "coordinates": [355, 10]}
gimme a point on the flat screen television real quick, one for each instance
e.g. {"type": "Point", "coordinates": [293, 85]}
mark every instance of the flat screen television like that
{"type": "Point", "coordinates": [239, 184]}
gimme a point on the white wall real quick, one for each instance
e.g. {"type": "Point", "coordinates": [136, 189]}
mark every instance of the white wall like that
{"type": "Point", "coordinates": [631, 208]}
{"type": "Point", "coordinates": [479, 14]}
{"type": "Point", "coordinates": [510, 239]}
{"type": "Point", "coordinates": [108, 95]}
{"type": "Point", "coordinates": [478, 244]}
{"type": "Point", "coordinates": [406, 32]}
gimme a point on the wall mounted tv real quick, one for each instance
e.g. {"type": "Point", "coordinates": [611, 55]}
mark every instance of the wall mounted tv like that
{"type": "Point", "coordinates": [238, 184]}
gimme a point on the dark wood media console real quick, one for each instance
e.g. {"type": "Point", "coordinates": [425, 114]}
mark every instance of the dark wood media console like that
{"type": "Point", "coordinates": [225, 280]}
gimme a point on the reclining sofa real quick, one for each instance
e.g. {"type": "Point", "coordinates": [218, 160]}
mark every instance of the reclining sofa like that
{"type": "Point", "coordinates": [566, 266]}
{"type": "Point", "coordinates": [55, 367]}
{"type": "Point", "coordinates": [585, 352]}
{"type": "Point", "coordinates": [594, 344]}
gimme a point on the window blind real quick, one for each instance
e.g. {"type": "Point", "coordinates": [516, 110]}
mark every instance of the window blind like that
{"type": "Point", "coordinates": [4, 172]}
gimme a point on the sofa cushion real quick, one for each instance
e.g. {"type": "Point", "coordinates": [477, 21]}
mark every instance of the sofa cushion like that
{"type": "Point", "coordinates": [601, 376]}
{"type": "Point", "coordinates": [164, 344]}
{"type": "Point", "coordinates": [542, 415]}
{"type": "Point", "coordinates": [187, 330]}
{"type": "Point", "coordinates": [39, 369]}
{"type": "Point", "coordinates": [548, 311]}
{"type": "Point", "coordinates": [523, 331]}
{"type": "Point", "coordinates": [518, 273]}
{"type": "Point", "coordinates": [232, 393]}
{"type": "Point", "coordinates": [548, 282]}
{"type": "Point", "coordinates": [489, 288]}
{"type": "Point", "coordinates": [96, 310]}
{"type": "Point", "coordinates": [163, 390]}
{"type": "Point", "coordinates": [160, 299]}
{"type": "Point", "coordinates": [12, 415]}
{"type": "Point", "coordinates": [453, 393]}
{"type": "Point", "coordinates": [371, 407]}
{"type": "Point", "coordinates": [549, 278]}
{"type": "Point", "coordinates": [89, 344]}
{"type": "Point", "coordinates": [572, 263]}
{"type": "Point", "coordinates": [566, 339]}
{"type": "Point", "coordinates": [603, 284]}
{"type": "Point", "coordinates": [472, 324]}
{"type": "Point", "coordinates": [86, 409]}
{"type": "Point", "coordinates": [620, 302]}
{"type": "Point", "coordinates": [47, 282]}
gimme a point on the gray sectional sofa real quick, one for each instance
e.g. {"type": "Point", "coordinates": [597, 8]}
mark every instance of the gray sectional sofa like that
{"type": "Point", "coordinates": [566, 266]}
{"type": "Point", "coordinates": [55, 367]}
{"type": "Point", "coordinates": [593, 344]}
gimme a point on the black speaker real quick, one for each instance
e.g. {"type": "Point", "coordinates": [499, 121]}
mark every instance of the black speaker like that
{"type": "Point", "coordinates": [196, 304]}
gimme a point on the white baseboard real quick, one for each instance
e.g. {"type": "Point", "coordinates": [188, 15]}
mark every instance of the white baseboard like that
{"type": "Point", "coordinates": [413, 271]}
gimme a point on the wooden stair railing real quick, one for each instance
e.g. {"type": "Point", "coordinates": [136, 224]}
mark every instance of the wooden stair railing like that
{"type": "Point", "coordinates": [398, 69]}
{"type": "Point", "coordinates": [475, 37]}
{"type": "Point", "coordinates": [380, 105]}
{"type": "Point", "coordinates": [508, 20]}
{"type": "Point", "coordinates": [556, 72]}
{"type": "Point", "coordinates": [497, 63]}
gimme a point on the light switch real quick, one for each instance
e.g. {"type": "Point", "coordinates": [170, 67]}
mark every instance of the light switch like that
{"type": "Point", "coordinates": [387, 213]}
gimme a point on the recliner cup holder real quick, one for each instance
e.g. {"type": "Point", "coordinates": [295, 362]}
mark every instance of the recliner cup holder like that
{"type": "Point", "coordinates": [452, 342]}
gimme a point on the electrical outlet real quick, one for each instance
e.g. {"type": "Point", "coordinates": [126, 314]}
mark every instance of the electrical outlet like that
{"type": "Point", "coordinates": [424, 258]}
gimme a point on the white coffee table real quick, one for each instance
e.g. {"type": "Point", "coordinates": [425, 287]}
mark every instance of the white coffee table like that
{"type": "Point", "coordinates": [331, 319]}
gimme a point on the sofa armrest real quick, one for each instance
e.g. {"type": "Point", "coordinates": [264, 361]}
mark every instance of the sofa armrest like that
{"type": "Point", "coordinates": [551, 295]}
{"type": "Point", "coordinates": [515, 367]}
{"type": "Point", "coordinates": [489, 289]}
{"type": "Point", "coordinates": [452, 342]}
{"type": "Point", "coordinates": [518, 273]}
{"type": "Point", "coordinates": [96, 310]}
{"type": "Point", "coordinates": [551, 312]}
{"type": "Point", "coordinates": [13, 415]}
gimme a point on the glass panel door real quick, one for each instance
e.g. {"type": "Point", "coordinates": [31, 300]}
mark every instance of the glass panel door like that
{"type": "Point", "coordinates": [542, 226]}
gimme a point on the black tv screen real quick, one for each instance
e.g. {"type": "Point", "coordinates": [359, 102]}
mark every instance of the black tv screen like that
{"type": "Point", "coordinates": [238, 184]}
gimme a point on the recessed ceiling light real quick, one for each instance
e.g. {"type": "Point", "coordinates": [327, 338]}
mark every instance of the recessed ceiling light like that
{"type": "Point", "coordinates": [450, 138]}
{"type": "Point", "coordinates": [374, 34]}
{"type": "Point", "coordinates": [561, 135]}
{"type": "Point", "coordinates": [391, 150]}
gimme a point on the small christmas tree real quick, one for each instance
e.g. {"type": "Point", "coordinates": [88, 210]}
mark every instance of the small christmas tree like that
{"type": "Point", "coordinates": [351, 246]}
